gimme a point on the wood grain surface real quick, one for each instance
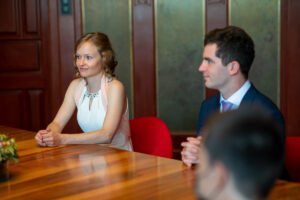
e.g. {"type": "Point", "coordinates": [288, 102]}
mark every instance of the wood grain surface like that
{"type": "Point", "coordinates": [90, 171]}
{"type": "Point", "coordinates": [95, 171]}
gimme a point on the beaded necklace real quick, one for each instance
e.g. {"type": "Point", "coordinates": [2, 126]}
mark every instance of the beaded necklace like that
{"type": "Point", "coordinates": [91, 95]}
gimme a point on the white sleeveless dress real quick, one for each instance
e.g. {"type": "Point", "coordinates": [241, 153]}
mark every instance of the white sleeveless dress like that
{"type": "Point", "coordinates": [92, 119]}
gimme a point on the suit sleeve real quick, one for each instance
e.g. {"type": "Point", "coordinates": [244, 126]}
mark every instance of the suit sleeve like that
{"type": "Point", "coordinates": [278, 117]}
{"type": "Point", "coordinates": [273, 111]}
{"type": "Point", "coordinates": [201, 118]}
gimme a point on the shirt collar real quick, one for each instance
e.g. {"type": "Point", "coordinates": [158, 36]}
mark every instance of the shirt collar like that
{"type": "Point", "coordinates": [237, 97]}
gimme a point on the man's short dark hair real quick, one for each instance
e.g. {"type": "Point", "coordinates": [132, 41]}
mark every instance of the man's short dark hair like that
{"type": "Point", "coordinates": [250, 145]}
{"type": "Point", "coordinates": [234, 44]}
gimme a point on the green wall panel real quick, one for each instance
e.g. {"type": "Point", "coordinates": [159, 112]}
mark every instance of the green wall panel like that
{"type": "Point", "coordinates": [179, 47]}
{"type": "Point", "coordinates": [113, 17]}
{"type": "Point", "coordinates": [262, 21]}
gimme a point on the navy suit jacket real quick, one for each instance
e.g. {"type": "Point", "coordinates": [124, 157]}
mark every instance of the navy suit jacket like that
{"type": "Point", "coordinates": [252, 98]}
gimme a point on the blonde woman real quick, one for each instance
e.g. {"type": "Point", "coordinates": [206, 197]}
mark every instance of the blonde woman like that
{"type": "Point", "coordinates": [99, 97]}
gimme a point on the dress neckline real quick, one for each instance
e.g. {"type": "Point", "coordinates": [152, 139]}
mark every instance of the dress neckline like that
{"type": "Point", "coordinates": [91, 95]}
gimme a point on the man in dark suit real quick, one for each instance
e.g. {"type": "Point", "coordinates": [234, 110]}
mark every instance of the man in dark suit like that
{"type": "Point", "coordinates": [227, 58]}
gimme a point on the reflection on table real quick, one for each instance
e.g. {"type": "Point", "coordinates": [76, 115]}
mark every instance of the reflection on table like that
{"type": "Point", "coordinates": [95, 171]}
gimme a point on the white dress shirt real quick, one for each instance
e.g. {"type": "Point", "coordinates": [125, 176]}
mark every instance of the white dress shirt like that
{"type": "Point", "coordinates": [236, 97]}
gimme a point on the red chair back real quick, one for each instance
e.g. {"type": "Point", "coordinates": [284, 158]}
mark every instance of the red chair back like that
{"type": "Point", "coordinates": [292, 157]}
{"type": "Point", "coordinates": [150, 135]}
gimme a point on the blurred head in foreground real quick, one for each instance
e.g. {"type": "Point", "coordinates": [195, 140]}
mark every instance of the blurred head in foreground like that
{"type": "Point", "coordinates": [241, 156]}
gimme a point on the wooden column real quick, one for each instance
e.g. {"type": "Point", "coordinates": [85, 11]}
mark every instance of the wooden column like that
{"type": "Point", "coordinates": [216, 17]}
{"type": "Point", "coordinates": [143, 39]}
{"type": "Point", "coordinates": [289, 65]}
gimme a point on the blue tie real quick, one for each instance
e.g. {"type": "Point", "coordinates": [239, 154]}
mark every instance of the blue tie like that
{"type": "Point", "coordinates": [226, 105]}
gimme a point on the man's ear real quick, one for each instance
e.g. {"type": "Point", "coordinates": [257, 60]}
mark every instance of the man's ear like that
{"type": "Point", "coordinates": [234, 67]}
{"type": "Point", "coordinates": [222, 174]}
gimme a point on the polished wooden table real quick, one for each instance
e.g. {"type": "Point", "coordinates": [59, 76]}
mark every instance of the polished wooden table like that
{"type": "Point", "coordinates": [95, 171]}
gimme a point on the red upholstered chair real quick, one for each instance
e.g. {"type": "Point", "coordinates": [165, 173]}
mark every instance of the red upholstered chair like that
{"type": "Point", "coordinates": [150, 135]}
{"type": "Point", "coordinates": [292, 157]}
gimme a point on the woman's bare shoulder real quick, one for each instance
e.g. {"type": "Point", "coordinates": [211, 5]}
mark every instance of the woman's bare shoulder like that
{"type": "Point", "coordinates": [74, 83]}
{"type": "Point", "coordinates": [115, 84]}
{"type": "Point", "coordinates": [73, 86]}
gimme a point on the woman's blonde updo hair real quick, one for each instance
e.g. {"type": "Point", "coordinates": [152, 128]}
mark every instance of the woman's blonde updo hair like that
{"type": "Point", "coordinates": [102, 43]}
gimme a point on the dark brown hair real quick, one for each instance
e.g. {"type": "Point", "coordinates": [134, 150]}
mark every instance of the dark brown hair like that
{"type": "Point", "coordinates": [234, 44]}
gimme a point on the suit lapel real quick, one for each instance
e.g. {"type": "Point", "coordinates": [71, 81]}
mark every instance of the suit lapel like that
{"type": "Point", "coordinates": [216, 103]}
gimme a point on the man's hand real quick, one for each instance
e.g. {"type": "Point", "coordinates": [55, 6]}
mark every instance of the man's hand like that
{"type": "Point", "coordinates": [190, 152]}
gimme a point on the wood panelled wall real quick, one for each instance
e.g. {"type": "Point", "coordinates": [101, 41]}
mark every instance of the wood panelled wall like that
{"type": "Point", "coordinates": [24, 69]}
{"type": "Point", "coordinates": [36, 43]}
{"type": "Point", "coordinates": [144, 50]}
